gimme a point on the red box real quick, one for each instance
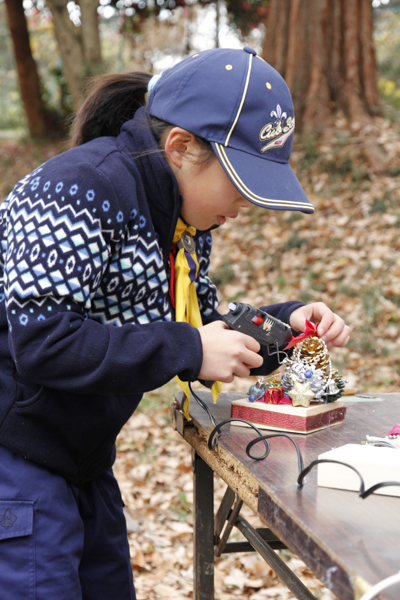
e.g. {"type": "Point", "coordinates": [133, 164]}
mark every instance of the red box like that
{"type": "Point", "coordinates": [285, 417]}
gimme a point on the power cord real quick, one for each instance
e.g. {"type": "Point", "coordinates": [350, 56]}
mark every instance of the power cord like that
{"type": "Point", "coordinates": [362, 492]}
{"type": "Point", "coordinates": [303, 471]}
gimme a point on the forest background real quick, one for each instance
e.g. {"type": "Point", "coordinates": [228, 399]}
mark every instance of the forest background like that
{"type": "Point", "coordinates": [345, 255]}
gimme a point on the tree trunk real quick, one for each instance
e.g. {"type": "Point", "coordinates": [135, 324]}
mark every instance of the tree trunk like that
{"type": "Point", "coordinates": [39, 122]}
{"type": "Point", "coordinates": [79, 47]}
{"type": "Point", "coordinates": [70, 45]}
{"type": "Point", "coordinates": [325, 52]}
{"type": "Point", "coordinates": [90, 37]}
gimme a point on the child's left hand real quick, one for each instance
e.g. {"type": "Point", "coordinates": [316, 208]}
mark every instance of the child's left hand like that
{"type": "Point", "coordinates": [331, 329]}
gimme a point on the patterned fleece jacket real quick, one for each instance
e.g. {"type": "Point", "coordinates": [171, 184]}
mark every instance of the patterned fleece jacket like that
{"type": "Point", "coordinates": [86, 325]}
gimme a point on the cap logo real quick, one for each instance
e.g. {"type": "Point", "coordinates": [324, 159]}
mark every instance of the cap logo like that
{"type": "Point", "coordinates": [277, 132]}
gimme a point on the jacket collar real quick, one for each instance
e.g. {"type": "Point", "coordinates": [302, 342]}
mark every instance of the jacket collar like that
{"type": "Point", "coordinates": [160, 185]}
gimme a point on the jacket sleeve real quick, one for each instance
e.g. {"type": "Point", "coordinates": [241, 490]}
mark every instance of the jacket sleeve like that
{"type": "Point", "coordinates": [56, 250]}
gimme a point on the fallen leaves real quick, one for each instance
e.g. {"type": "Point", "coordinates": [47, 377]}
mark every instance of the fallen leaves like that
{"type": "Point", "coordinates": [153, 468]}
{"type": "Point", "coordinates": [346, 255]}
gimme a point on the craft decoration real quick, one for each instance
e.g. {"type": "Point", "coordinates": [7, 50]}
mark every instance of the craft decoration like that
{"type": "Point", "coordinates": [392, 440]}
{"type": "Point", "coordinates": [308, 376]}
{"type": "Point", "coordinates": [310, 330]}
{"type": "Point", "coordinates": [273, 395]}
{"type": "Point", "coordinates": [388, 441]}
{"type": "Point", "coordinates": [313, 352]}
{"type": "Point", "coordinates": [301, 393]}
{"type": "Point", "coordinates": [257, 390]}
{"type": "Point", "coordinates": [269, 390]}
{"type": "Point", "coordinates": [394, 433]}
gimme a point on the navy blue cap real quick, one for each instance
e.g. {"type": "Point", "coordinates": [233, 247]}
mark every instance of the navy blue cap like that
{"type": "Point", "coordinates": [243, 107]}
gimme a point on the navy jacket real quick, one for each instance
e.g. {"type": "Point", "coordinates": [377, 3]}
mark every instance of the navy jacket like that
{"type": "Point", "coordinates": [85, 318]}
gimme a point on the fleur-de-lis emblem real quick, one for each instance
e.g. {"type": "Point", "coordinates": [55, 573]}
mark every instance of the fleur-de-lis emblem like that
{"type": "Point", "coordinates": [278, 113]}
{"type": "Point", "coordinates": [7, 519]}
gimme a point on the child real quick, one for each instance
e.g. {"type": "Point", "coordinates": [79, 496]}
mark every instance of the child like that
{"type": "Point", "coordinates": [100, 306]}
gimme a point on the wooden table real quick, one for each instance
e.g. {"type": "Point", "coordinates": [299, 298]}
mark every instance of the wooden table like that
{"type": "Point", "coordinates": [350, 544]}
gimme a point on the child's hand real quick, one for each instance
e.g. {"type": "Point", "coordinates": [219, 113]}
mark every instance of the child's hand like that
{"type": "Point", "coordinates": [227, 353]}
{"type": "Point", "coordinates": [331, 329]}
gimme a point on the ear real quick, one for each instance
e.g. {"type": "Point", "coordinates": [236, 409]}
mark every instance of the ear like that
{"type": "Point", "coordinates": [178, 143]}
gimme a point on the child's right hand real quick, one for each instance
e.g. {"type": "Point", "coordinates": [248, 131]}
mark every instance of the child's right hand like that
{"type": "Point", "coordinates": [227, 353]}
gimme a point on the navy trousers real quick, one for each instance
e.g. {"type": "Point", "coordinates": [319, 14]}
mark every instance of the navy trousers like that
{"type": "Point", "coordinates": [59, 541]}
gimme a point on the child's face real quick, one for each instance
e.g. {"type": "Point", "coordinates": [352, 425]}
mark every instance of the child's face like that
{"type": "Point", "coordinates": [209, 197]}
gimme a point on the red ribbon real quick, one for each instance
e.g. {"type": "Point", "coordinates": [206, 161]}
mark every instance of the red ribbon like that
{"type": "Point", "coordinates": [310, 331]}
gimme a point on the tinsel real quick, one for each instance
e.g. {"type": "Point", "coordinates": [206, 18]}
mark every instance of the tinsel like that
{"type": "Point", "coordinates": [308, 370]}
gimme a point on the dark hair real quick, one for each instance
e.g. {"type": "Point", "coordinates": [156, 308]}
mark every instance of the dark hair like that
{"type": "Point", "coordinates": [112, 100]}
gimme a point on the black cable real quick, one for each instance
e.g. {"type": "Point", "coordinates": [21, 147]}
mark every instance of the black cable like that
{"type": "Point", "coordinates": [212, 443]}
{"type": "Point", "coordinates": [372, 489]}
{"type": "Point", "coordinates": [362, 492]}
{"type": "Point", "coordinates": [271, 435]}
{"type": "Point", "coordinates": [303, 471]}
{"type": "Point", "coordinates": [202, 404]}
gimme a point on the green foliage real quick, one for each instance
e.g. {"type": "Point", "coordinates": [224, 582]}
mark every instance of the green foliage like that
{"type": "Point", "coordinates": [381, 205]}
{"type": "Point", "coordinates": [160, 398]}
{"type": "Point", "coordinates": [387, 45]}
{"type": "Point", "coordinates": [338, 166]}
{"type": "Point", "coordinates": [247, 15]}
{"type": "Point", "coordinates": [223, 274]}
{"type": "Point", "coordinates": [311, 153]}
{"type": "Point", "coordinates": [295, 241]}
{"type": "Point", "coordinates": [306, 296]}
{"type": "Point", "coordinates": [11, 111]}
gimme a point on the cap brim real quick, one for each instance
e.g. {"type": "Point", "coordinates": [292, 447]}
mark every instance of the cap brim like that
{"type": "Point", "coordinates": [264, 182]}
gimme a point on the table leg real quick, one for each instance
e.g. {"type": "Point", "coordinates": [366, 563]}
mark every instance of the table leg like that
{"type": "Point", "coordinates": [203, 522]}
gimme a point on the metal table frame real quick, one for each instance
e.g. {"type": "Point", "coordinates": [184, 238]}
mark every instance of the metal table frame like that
{"type": "Point", "coordinates": [211, 536]}
{"type": "Point", "coordinates": [350, 544]}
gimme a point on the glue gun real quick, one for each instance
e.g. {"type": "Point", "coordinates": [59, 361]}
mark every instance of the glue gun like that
{"type": "Point", "coordinates": [258, 324]}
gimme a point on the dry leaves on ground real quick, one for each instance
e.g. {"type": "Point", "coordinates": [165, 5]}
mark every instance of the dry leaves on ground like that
{"type": "Point", "coordinates": [153, 468]}
{"type": "Point", "coordinates": [346, 255]}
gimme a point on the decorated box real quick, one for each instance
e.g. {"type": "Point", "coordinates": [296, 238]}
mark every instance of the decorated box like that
{"type": "Point", "coordinates": [286, 417]}
{"type": "Point", "coordinates": [304, 397]}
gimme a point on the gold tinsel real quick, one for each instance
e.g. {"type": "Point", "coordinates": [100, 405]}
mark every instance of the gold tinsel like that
{"type": "Point", "coordinates": [313, 351]}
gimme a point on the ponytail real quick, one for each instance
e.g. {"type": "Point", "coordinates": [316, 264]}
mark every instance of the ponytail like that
{"type": "Point", "coordinates": [112, 100]}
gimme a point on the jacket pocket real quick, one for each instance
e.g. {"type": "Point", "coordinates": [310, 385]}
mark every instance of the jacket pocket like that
{"type": "Point", "coordinates": [17, 550]}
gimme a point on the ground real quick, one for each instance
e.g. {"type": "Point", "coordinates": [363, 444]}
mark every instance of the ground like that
{"type": "Point", "coordinates": [345, 255]}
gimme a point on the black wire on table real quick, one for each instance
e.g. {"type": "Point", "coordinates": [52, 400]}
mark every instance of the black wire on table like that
{"type": "Point", "coordinates": [303, 471]}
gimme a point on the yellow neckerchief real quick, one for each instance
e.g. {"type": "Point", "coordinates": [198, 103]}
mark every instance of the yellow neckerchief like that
{"type": "Point", "coordinates": [187, 306]}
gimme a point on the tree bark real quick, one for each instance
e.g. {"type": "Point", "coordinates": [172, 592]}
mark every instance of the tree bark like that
{"type": "Point", "coordinates": [325, 52]}
{"type": "Point", "coordinates": [90, 37]}
{"type": "Point", "coordinates": [79, 47]}
{"type": "Point", "coordinates": [39, 122]}
{"type": "Point", "coordinates": [70, 45]}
